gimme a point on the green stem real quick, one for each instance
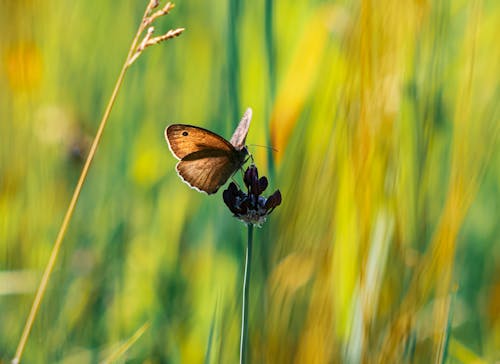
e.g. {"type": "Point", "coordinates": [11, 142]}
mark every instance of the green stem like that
{"type": "Point", "coordinates": [246, 289]}
{"type": "Point", "coordinates": [271, 66]}
{"type": "Point", "coordinates": [233, 60]}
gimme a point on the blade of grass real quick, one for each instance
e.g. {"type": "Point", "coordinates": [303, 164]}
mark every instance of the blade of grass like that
{"type": "Point", "coordinates": [445, 342]}
{"type": "Point", "coordinates": [210, 343]}
{"type": "Point", "coordinates": [232, 57]}
{"type": "Point", "coordinates": [127, 344]}
{"type": "Point", "coordinates": [271, 67]}
{"type": "Point", "coordinates": [463, 354]}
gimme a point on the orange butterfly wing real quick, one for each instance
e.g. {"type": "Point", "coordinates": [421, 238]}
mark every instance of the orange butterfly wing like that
{"type": "Point", "coordinates": [186, 139]}
{"type": "Point", "coordinates": [208, 173]}
{"type": "Point", "coordinates": [206, 159]}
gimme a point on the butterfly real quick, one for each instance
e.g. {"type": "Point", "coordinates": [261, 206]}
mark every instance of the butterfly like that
{"type": "Point", "coordinates": [207, 160]}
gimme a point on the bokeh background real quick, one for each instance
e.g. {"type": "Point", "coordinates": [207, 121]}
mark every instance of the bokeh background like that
{"type": "Point", "coordinates": [385, 121]}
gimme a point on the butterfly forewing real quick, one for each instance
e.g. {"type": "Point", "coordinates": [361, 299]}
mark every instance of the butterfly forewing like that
{"type": "Point", "coordinates": [186, 139]}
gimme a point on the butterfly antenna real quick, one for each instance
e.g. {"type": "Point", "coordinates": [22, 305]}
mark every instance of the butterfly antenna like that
{"type": "Point", "coordinates": [250, 156]}
{"type": "Point", "coordinates": [263, 146]}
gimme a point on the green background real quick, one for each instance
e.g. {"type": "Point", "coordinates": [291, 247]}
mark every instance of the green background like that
{"type": "Point", "coordinates": [385, 121]}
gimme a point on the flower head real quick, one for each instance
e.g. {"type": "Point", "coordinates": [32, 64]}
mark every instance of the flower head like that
{"type": "Point", "coordinates": [251, 207]}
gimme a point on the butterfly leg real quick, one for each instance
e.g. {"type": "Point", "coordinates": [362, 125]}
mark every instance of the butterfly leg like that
{"type": "Point", "coordinates": [250, 157]}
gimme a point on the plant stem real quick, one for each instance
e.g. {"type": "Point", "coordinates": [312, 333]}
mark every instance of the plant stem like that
{"type": "Point", "coordinates": [246, 289]}
{"type": "Point", "coordinates": [69, 212]}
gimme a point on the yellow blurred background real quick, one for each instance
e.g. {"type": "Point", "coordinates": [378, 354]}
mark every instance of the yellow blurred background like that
{"type": "Point", "coordinates": [385, 121]}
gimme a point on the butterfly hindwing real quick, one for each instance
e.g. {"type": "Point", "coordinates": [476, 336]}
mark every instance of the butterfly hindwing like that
{"type": "Point", "coordinates": [207, 171]}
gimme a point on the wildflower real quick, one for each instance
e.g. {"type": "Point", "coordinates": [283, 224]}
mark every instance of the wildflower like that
{"type": "Point", "coordinates": [251, 207]}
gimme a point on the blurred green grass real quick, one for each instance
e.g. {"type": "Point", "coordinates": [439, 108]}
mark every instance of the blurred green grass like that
{"type": "Point", "coordinates": [386, 122]}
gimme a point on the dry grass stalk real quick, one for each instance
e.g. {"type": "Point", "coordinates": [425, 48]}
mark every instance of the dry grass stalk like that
{"type": "Point", "coordinates": [147, 20]}
{"type": "Point", "coordinates": [133, 54]}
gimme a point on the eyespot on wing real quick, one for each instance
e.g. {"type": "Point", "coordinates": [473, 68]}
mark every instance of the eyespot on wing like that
{"type": "Point", "coordinates": [186, 139]}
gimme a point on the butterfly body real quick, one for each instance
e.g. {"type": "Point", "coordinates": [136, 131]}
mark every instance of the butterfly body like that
{"type": "Point", "coordinates": [207, 160]}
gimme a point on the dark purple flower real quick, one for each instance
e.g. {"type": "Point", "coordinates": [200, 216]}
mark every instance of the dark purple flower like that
{"type": "Point", "coordinates": [251, 207]}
